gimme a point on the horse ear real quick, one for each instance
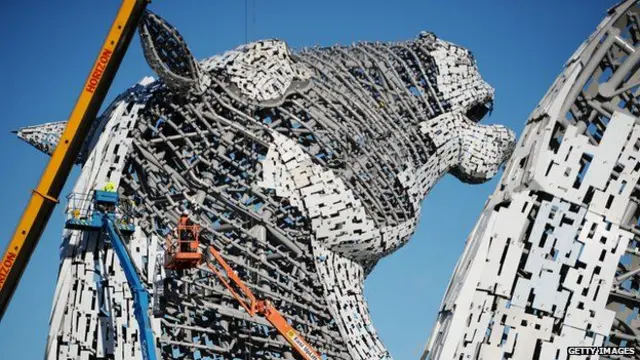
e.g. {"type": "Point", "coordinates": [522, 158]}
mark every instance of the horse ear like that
{"type": "Point", "coordinates": [428, 40]}
{"type": "Point", "coordinates": [167, 53]}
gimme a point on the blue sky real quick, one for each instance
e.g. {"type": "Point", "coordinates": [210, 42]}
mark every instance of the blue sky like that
{"type": "Point", "coordinates": [49, 47]}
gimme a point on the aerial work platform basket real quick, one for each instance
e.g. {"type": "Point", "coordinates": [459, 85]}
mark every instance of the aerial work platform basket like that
{"type": "Point", "coordinates": [183, 248]}
{"type": "Point", "coordinates": [84, 211]}
{"type": "Point", "coordinates": [103, 212]}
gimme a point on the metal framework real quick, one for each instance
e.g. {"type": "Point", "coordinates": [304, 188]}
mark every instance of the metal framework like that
{"type": "Point", "coordinates": [554, 260]}
{"type": "Point", "coordinates": [304, 168]}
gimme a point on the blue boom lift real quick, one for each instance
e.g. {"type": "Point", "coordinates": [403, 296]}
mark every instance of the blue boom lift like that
{"type": "Point", "coordinates": [100, 213]}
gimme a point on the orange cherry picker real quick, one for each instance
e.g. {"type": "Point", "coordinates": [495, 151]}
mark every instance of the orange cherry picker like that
{"type": "Point", "coordinates": [182, 252]}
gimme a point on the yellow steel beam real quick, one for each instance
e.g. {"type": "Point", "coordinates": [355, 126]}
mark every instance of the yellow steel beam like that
{"type": "Point", "coordinates": [44, 198]}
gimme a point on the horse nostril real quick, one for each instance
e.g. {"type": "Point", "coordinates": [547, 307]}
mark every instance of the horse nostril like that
{"type": "Point", "coordinates": [478, 112]}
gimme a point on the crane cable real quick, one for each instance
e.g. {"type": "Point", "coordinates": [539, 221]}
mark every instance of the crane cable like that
{"type": "Point", "coordinates": [246, 18]}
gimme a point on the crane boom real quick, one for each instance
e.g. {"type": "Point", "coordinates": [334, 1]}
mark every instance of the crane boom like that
{"type": "Point", "coordinates": [253, 306]}
{"type": "Point", "coordinates": [266, 308]}
{"type": "Point", "coordinates": [45, 196]}
{"type": "Point", "coordinates": [140, 295]}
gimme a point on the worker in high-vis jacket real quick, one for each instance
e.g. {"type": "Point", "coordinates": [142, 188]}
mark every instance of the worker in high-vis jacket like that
{"type": "Point", "coordinates": [109, 186]}
{"type": "Point", "coordinates": [185, 232]}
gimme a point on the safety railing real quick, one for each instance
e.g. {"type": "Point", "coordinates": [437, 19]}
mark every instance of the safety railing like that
{"type": "Point", "coordinates": [82, 210]}
{"type": "Point", "coordinates": [79, 207]}
{"type": "Point", "coordinates": [184, 239]}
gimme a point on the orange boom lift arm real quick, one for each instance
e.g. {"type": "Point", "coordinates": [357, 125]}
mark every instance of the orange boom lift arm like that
{"type": "Point", "coordinates": [45, 196]}
{"type": "Point", "coordinates": [253, 306]}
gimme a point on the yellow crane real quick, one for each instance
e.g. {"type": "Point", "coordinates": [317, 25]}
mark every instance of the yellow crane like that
{"type": "Point", "coordinates": [45, 196]}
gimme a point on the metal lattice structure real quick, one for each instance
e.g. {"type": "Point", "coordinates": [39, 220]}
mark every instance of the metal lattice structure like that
{"type": "Point", "coordinates": [554, 260]}
{"type": "Point", "coordinates": [304, 168]}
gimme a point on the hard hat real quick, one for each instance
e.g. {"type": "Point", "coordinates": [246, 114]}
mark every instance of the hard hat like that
{"type": "Point", "coordinates": [185, 212]}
